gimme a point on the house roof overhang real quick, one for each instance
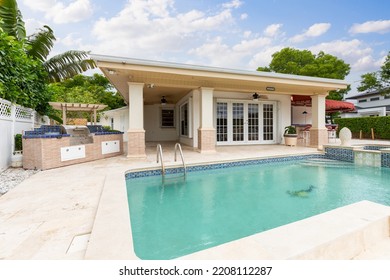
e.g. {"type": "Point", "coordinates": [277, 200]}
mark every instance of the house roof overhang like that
{"type": "Point", "coordinates": [174, 80]}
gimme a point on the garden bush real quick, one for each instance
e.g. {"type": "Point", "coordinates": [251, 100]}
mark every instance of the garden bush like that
{"type": "Point", "coordinates": [381, 126]}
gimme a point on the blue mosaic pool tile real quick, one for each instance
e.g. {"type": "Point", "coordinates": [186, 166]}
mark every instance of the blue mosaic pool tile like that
{"type": "Point", "coordinates": [176, 170]}
{"type": "Point", "coordinates": [385, 159]}
{"type": "Point", "coordinates": [373, 148]}
{"type": "Point", "coordinates": [339, 154]}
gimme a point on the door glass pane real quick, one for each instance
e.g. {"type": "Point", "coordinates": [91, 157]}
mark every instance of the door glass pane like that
{"type": "Point", "coordinates": [184, 119]}
{"type": "Point", "coordinates": [253, 122]}
{"type": "Point", "coordinates": [268, 122]}
{"type": "Point", "coordinates": [238, 122]}
{"type": "Point", "coordinates": [222, 126]}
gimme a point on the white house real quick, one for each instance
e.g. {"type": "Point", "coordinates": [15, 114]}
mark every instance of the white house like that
{"type": "Point", "coordinates": [369, 104]}
{"type": "Point", "coordinates": [203, 107]}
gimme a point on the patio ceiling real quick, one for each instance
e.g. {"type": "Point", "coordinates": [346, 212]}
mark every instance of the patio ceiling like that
{"type": "Point", "coordinates": [174, 80]}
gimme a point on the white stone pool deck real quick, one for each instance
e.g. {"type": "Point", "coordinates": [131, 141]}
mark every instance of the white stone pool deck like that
{"type": "Point", "coordinates": [80, 212]}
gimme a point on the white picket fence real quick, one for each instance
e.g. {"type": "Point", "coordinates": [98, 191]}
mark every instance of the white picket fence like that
{"type": "Point", "coordinates": [15, 119]}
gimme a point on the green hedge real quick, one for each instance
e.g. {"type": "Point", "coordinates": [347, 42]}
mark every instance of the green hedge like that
{"type": "Point", "coordinates": [381, 126]}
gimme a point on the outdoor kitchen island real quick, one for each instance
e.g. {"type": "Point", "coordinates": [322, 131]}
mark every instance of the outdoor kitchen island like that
{"type": "Point", "coordinates": [56, 146]}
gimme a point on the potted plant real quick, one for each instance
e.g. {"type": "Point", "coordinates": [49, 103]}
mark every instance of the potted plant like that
{"type": "Point", "coordinates": [290, 136]}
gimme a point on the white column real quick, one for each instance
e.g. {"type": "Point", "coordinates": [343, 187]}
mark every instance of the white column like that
{"type": "Point", "coordinates": [318, 131]}
{"type": "Point", "coordinates": [206, 107]}
{"type": "Point", "coordinates": [206, 131]}
{"type": "Point", "coordinates": [318, 111]}
{"type": "Point", "coordinates": [136, 132]}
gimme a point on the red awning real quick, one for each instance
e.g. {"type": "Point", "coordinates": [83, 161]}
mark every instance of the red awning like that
{"type": "Point", "coordinates": [331, 106]}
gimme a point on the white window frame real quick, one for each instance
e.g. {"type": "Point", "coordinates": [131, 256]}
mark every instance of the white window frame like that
{"type": "Point", "coordinates": [230, 125]}
{"type": "Point", "coordinates": [173, 117]}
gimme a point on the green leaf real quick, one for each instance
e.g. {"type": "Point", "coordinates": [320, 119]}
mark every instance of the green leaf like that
{"type": "Point", "coordinates": [12, 20]}
{"type": "Point", "coordinates": [41, 43]}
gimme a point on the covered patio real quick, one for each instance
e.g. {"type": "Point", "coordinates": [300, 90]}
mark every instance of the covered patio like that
{"type": "Point", "coordinates": [205, 107]}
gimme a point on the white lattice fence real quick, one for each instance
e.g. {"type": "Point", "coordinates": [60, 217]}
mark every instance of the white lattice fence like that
{"type": "Point", "coordinates": [22, 113]}
{"type": "Point", "coordinates": [5, 109]}
{"type": "Point", "coordinates": [14, 119]}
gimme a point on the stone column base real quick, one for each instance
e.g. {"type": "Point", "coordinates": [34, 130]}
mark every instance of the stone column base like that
{"type": "Point", "coordinates": [206, 140]}
{"type": "Point", "coordinates": [318, 137]}
{"type": "Point", "coordinates": [136, 144]}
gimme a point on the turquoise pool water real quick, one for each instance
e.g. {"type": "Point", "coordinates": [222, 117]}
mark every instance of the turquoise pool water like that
{"type": "Point", "coordinates": [212, 207]}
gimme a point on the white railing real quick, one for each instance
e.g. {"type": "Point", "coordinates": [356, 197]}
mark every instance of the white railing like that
{"type": "Point", "coordinates": [178, 147]}
{"type": "Point", "coordinates": [160, 157]}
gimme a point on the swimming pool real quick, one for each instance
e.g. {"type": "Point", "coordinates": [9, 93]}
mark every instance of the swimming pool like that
{"type": "Point", "coordinates": [211, 207]}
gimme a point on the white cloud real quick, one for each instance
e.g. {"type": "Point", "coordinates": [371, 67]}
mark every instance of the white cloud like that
{"type": "Point", "coordinates": [273, 30]}
{"type": "Point", "coordinates": [379, 26]}
{"type": "Point", "coordinates": [315, 30]}
{"type": "Point", "coordinates": [243, 16]}
{"type": "Point", "coordinates": [217, 53]}
{"type": "Point", "coordinates": [149, 28]}
{"type": "Point", "coordinates": [263, 57]}
{"type": "Point", "coordinates": [247, 33]}
{"type": "Point", "coordinates": [249, 46]}
{"type": "Point", "coordinates": [59, 12]}
{"type": "Point", "coordinates": [354, 52]}
{"type": "Point", "coordinates": [32, 25]}
{"type": "Point", "coordinates": [232, 4]}
{"type": "Point", "coordinates": [71, 41]}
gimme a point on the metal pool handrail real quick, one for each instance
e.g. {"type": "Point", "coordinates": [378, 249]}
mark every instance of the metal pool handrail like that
{"type": "Point", "coordinates": [178, 147]}
{"type": "Point", "coordinates": [160, 157]}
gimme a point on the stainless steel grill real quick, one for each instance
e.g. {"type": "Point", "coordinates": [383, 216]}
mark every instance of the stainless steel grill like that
{"type": "Point", "coordinates": [79, 134]}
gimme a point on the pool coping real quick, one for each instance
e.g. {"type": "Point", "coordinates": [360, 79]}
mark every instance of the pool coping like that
{"type": "Point", "coordinates": [111, 236]}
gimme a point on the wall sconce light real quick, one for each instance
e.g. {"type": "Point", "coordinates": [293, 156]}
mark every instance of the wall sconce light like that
{"type": "Point", "coordinates": [255, 96]}
{"type": "Point", "coordinates": [150, 85]}
{"type": "Point", "coordinates": [111, 72]}
{"type": "Point", "coordinates": [163, 101]}
{"type": "Point", "coordinates": [270, 88]}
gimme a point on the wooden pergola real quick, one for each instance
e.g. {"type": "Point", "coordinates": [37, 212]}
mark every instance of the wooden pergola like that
{"type": "Point", "coordinates": [77, 107]}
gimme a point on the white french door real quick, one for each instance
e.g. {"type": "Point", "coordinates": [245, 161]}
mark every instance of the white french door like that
{"type": "Point", "coordinates": [245, 122]}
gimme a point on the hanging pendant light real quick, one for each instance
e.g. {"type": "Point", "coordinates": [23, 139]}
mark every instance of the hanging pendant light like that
{"type": "Point", "coordinates": [255, 96]}
{"type": "Point", "coordinates": [163, 101]}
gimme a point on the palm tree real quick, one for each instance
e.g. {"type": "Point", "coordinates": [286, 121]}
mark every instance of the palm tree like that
{"type": "Point", "coordinates": [39, 45]}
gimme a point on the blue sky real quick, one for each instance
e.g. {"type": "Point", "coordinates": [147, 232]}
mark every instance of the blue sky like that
{"type": "Point", "coordinates": [240, 34]}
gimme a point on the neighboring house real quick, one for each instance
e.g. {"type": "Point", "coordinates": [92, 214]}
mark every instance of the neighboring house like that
{"type": "Point", "coordinates": [369, 105]}
{"type": "Point", "coordinates": [203, 107]}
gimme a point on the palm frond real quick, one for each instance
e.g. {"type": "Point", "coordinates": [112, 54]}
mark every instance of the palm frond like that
{"type": "Point", "coordinates": [41, 43]}
{"type": "Point", "coordinates": [67, 65]}
{"type": "Point", "coordinates": [11, 19]}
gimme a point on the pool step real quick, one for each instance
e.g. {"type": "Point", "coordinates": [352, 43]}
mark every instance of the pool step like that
{"type": "Point", "coordinates": [326, 163]}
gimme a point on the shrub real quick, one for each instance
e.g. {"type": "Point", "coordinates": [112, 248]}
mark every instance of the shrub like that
{"type": "Point", "coordinates": [381, 126]}
{"type": "Point", "coordinates": [18, 142]}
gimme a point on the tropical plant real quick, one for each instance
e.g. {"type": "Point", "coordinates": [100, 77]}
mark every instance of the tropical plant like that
{"type": "Point", "coordinates": [22, 78]}
{"type": "Point", "coordinates": [304, 62]}
{"type": "Point", "coordinates": [39, 45]}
